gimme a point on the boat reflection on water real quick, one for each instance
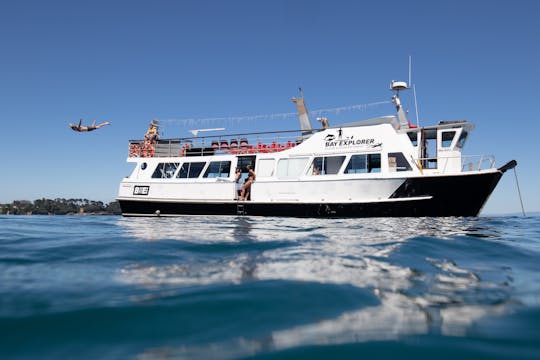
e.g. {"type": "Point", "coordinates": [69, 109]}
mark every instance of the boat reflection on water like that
{"type": "Point", "coordinates": [413, 267]}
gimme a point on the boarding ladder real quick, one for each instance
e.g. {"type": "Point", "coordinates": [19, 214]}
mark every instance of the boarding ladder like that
{"type": "Point", "coordinates": [240, 210]}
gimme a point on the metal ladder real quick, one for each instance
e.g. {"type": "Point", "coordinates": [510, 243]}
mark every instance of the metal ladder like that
{"type": "Point", "coordinates": [240, 211]}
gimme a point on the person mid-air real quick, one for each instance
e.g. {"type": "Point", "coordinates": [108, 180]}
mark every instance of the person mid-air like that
{"type": "Point", "coordinates": [92, 127]}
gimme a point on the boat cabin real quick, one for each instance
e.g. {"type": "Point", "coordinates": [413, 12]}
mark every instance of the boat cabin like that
{"type": "Point", "coordinates": [293, 165]}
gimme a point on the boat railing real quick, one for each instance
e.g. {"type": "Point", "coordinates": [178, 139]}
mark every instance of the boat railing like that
{"type": "Point", "coordinates": [477, 162]}
{"type": "Point", "coordinates": [450, 163]}
{"type": "Point", "coordinates": [245, 143]}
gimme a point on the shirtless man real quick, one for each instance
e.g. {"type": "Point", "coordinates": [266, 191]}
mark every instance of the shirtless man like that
{"type": "Point", "coordinates": [92, 127]}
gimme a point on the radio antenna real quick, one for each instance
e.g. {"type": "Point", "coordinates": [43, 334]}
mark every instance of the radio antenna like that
{"type": "Point", "coordinates": [414, 92]}
{"type": "Point", "coordinates": [410, 70]}
{"type": "Point", "coordinates": [415, 106]}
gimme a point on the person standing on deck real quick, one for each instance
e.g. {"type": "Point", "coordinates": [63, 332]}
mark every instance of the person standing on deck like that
{"type": "Point", "coordinates": [246, 189]}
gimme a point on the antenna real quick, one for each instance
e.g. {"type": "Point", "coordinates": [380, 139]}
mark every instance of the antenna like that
{"type": "Point", "coordinates": [414, 92]}
{"type": "Point", "coordinates": [415, 105]}
{"type": "Point", "coordinates": [410, 70]}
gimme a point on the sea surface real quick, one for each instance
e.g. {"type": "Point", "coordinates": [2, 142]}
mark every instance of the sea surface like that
{"type": "Point", "coordinates": [107, 287]}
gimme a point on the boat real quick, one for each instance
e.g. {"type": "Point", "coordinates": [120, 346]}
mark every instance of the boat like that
{"type": "Point", "coordinates": [381, 167]}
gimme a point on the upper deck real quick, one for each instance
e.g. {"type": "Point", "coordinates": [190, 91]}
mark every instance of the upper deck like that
{"type": "Point", "coordinates": [429, 149]}
{"type": "Point", "coordinates": [243, 143]}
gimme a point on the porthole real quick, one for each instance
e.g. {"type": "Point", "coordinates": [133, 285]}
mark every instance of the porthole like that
{"type": "Point", "coordinates": [143, 165]}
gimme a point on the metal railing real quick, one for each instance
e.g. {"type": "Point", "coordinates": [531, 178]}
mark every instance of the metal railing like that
{"type": "Point", "coordinates": [246, 143]}
{"type": "Point", "coordinates": [467, 162]}
{"type": "Point", "coordinates": [477, 162]}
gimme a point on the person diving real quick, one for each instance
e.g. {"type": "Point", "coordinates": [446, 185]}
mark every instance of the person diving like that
{"type": "Point", "coordinates": [82, 128]}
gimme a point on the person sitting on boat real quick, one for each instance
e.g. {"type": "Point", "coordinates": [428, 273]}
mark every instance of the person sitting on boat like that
{"type": "Point", "coordinates": [316, 171]}
{"type": "Point", "coordinates": [152, 134]}
{"type": "Point", "coordinates": [246, 188]}
{"type": "Point", "coordinates": [82, 128]}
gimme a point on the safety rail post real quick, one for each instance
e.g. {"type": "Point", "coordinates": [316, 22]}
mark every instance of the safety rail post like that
{"type": "Point", "coordinates": [479, 167]}
{"type": "Point", "coordinates": [445, 163]}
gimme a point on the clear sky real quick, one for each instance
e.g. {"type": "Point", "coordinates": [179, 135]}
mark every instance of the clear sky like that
{"type": "Point", "coordinates": [128, 62]}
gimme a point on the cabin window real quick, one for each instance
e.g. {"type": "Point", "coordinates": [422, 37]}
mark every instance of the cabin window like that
{"type": "Point", "coordinates": [413, 136]}
{"type": "Point", "coordinates": [143, 166]}
{"type": "Point", "coordinates": [265, 167]}
{"type": "Point", "coordinates": [398, 162]}
{"type": "Point", "coordinates": [429, 149]}
{"type": "Point", "coordinates": [291, 167]}
{"type": "Point", "coordinates": [462, 139]}
{"type": "Point", "coordinates": [365, 163]}
{"type": "Point", "coordinates": [165, 170]}
{"type": "Point", "coordinates": [446, 138]}
{"type": "Point", "coordinates": [326, 165]}
{"type": "Point", "coordinates": [190, 170]}
{"type": "Point", "coordinates": [218, 169]}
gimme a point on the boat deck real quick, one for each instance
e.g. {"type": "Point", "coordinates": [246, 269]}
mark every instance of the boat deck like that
{"type": "Point", "coordinates": [247, 143]}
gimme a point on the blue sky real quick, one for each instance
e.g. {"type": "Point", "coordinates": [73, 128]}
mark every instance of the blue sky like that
{"type": "Point", "coordinates": [128, 62]}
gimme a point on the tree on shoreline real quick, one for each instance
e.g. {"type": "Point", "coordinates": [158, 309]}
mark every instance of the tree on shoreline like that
{"type": "Point", "coordinates": [60, 206]}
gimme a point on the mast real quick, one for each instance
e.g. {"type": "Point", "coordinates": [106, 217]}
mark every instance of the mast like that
{"type": "Point", "coordinates": [397, 86]}
{"type": "Point", "coordinates": [305, 124]}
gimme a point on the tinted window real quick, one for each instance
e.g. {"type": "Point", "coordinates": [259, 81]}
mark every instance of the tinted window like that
{"type": "Point", "coordinates": [326, 165]}
{"type": "Point", "coordinates": [366, 163]}
{"type": "Point", "coordinates": [413, 136]}
{"type": "Point", "coordinates": [190, 170]}
{"type": "Point", "coordinates": [446, 138]}
{"type": "Point", "coordinates": [398, 162]}
{"type": "Point", "coordinates": [462, 139]}
{"type": "Point", "coordinates": [374, 163]}
{"type": "Point", "coordinates": [218, 169]}
{"type": "Point", "coordinates": [165, 170]}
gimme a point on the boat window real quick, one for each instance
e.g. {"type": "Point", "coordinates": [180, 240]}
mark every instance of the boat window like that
{"type": "Point", "coordinates": [364, 163]}
{"type": "Point", "coordinates": [165, 170]}
{"type": "Point", "coordinates": [291, 167]}
{"type": "Point", "coordinates": [326, 165]}
{"type": "Point", "coordinates": [398, 162]}
{"type": "Point", "coordinates": [190, 170]}
{"type": "Point", "coordinates": [244, 161]}
{"type": "Point", "coordinates": [143, 166]}
{"type": "Point", "coordinates": [265, 167]}
{"type": "Point", "coordinates": [462, 139]}
{"type": "Point", "coordinates": [218, 169]}
{"type": "Point", "coordinates": [446, 138]}
{"type": "Point", "coordinates": [413, 136]}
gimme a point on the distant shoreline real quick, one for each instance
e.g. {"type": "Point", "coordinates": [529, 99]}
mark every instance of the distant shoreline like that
{"type": "Point", "coordinates": [60, 206]}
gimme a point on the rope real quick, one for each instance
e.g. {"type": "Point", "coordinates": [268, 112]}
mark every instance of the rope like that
{"type": "Point", "coordinates": [519, 193]}
{"type": "Point", "coordinates": [337, 110]}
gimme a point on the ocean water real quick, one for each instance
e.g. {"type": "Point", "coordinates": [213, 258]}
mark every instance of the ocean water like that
{"type": "Point", "coordinates": [107, 287]}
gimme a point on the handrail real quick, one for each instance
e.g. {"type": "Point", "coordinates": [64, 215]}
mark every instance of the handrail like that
{"type": "Point", "coordinates": [468, 162]}
{"type": "Point", "coordinates": [242, 143]}
{"type": "Point", "coordinates": [482, 159]}
{"type": "Point", "coordinates": [192, 138]}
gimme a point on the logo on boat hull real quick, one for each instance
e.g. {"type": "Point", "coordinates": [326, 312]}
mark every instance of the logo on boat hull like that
{"type": "Point", "coordinates": [333, 141]}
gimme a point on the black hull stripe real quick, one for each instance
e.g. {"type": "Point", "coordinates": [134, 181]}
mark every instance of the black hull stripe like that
{"type": "Point", "coordinates": [448, 196]}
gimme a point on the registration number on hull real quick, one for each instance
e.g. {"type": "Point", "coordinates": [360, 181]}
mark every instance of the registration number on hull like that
{"type": "Point", "coordinates": [141, 190]}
